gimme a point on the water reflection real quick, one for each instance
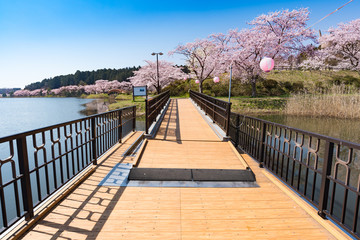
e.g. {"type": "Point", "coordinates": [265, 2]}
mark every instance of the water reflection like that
{"type": "Point", "coordinates": [94, 107]}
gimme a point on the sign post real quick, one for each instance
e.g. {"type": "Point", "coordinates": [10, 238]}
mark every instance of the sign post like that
{"type": "Point", "coordinates": [139, 91]}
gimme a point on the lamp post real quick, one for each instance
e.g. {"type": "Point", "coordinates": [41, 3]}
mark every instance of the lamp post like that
{"type": "Point", "coordinates": [230, 82]}
{"type": "Point", "coordinates": [157, 69]}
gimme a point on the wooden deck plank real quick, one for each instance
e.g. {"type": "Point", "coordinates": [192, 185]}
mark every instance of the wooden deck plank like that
{"type": "Point", "coordinates": [101, 212]}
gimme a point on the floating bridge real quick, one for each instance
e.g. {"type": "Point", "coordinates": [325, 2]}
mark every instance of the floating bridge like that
{"type": "Point", "coordinates": [197, 172]}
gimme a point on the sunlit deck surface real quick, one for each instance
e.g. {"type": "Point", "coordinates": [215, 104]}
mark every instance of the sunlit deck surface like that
{"type": "Point", "coordinates": [184, 140]}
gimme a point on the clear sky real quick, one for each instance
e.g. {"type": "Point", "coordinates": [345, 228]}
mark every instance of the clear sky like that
{"type": "Point", "coordinates": [45, 38]}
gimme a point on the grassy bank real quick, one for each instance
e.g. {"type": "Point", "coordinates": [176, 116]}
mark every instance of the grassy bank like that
{"type": "Point", "coordinates": [95, 96]}
{"type": "Point", "coordinates": [339, 102]}
{"type": "Point", "coordinates": [124, 100]}
{"type": "Point", "coordinates": [261, 105]}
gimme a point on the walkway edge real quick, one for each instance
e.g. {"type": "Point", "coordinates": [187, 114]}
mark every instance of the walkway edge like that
{"type": "Point", "coordinates": [329, 226]}
{"type": "Point", "coordinates": [242, 160]}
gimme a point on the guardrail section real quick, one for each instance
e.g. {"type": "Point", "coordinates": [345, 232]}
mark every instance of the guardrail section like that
{"type": "Point", "coordinates": [153, 108]}
{"type": "Point", "coordinates": [35, 164]}
{"type": "Point", "coordinates": [218, 110]}
{"type": "Point", "coordinates": [323, 170]}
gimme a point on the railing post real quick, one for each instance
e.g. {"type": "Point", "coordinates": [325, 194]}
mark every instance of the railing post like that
{"type": "Point", "coordinates": [325, 182]}
{"type": "Point", "coordinates": [120, 125]}
{"type": "Point", "coordinates": [146, 117]}
{"type": "Point", "coordinates": [25, 180]}
{"type": "Point", "coordinates": [94, 141]}
{"type": "Point", "coordinates": [213, 115]}
{"type": "Point", "coordinates": [262, 145]}
{"type": "Point", "coordinates": [237, 130]}
{"type": "Point", "coordinates": [134, 118]}
{"type": "Point", "coordinates": [228, 111]}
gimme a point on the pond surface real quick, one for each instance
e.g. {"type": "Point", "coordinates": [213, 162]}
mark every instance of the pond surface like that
{"type": "Point", "coordinates": [346, 129]}
{"type": "Point", "coordinates": [24, 114]}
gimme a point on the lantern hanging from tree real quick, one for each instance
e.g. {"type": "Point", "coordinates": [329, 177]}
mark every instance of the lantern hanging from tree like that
{"type": "Point", "coordinates": [197, 81]}
{"type": "Point", "coordinates": [267, 64]}
{"type": "Point", "coordinates": [216, 79]}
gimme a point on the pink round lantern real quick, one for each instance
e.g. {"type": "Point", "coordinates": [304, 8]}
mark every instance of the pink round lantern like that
{"type": "Point", "coordinates": [267, 64]}
{"type": "Point", "coordinates": [216, 79]}
{"type": "Point", "coordinates": [197, 81]}
{"type": "Point", "coordinates": [185, 78]}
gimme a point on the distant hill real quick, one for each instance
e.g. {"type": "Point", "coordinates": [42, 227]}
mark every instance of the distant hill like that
{"type": "Point", "coordinates": [83, 78]}
{"type": "Point", "coordinates": [8, 90]}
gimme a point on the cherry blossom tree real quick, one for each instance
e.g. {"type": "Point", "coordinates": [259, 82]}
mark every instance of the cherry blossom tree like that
{"type": "Point", "coordinates": [147, 75]}
{"type": "Point", "coordinates": [125, 86]}
{"type": "Point", "coordinates": [22, 93]}
{"type": "Point", "coordinates": [342, 45]}
{"type": "Point", "coordinates": [100, 86]}
{"type": "Point", "coordinates": [278, 35]}
{"type": "Point", "coordinates": [202, 57]}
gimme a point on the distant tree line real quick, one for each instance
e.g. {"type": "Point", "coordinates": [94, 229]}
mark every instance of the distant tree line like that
{"type": "Point", "coordinates": [83, 78]}
{"type": "Point", "coordinates": [8, 90]}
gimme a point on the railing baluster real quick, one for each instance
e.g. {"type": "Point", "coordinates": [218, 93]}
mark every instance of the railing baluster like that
{"type": "Point", "coordinates": [228, 112]}
{"type": "Point", "coordinates": [262, 145]}
{"type": "Point", "coordinates": [134, 118]}
{"type": "Point", "coordinates": [325, 182]}
{"type": "Point", "coordinates": [25, 180]}
{"type": "Point", "coordinates": [94, 140]}
{"type": "Point", "coordinates": [146, 116]}
{"type": "Point", "coordinates": [120, 126]}
{"type": "Point", "coordinates": [237, 130]}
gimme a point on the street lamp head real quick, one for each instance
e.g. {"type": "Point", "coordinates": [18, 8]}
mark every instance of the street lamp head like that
{"type": "Point", "coordinates": [153, 53]}
{"type": "Point", "coordinates": [160, 53]}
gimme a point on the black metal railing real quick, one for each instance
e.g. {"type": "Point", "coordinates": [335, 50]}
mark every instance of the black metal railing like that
{"type": "Point", "coordinates": [35, 164]}
{"type": "Point", "coordinates": [218, 110]}
{"type": "Point", "coordinates": [323, 170]}
{"type": "Point", "coordinates": [153, 108]}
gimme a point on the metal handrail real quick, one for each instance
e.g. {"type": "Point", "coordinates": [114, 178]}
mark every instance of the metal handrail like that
{"type": "Point", "coordinates": [313, 165]}
{"type": "Point", "coordinates": [214, 108]}
{"type": "Point", "coordinates": [153, 108]}
{"type": "Point", "coordinates": [56, 154]}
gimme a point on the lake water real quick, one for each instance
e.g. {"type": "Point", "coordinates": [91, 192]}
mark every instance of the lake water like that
{"type": "Point", "coordinates": [345, 129]}
{"type": "Point", "coordinates": [24, 114]}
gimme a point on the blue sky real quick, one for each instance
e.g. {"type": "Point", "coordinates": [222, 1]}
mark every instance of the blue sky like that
{"type": "Point", "coordinates": [45, 38]}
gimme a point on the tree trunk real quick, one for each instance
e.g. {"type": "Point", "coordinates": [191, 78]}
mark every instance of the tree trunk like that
{"type": "Point", "coordinates": [200, 86]}
{"type": "Point", "coordinates": [253, 87]}
{"type": "Point", "coordinates": [158, 89]}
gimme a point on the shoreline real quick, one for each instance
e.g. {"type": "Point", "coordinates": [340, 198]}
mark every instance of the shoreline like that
{"type": "Point", "coordinates": [96, 106]}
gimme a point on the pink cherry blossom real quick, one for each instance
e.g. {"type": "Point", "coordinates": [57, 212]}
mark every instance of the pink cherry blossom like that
{"type": "Point", "coordinates": [147, 75]}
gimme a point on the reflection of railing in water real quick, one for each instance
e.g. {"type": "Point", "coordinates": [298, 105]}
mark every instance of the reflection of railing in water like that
{"type": "Point", "coordinates": [323, 170]}
{"type": "Point", "coordinates": [35, 164]}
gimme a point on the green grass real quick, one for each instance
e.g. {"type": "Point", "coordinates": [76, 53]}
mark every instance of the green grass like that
{"type": "Point", "coordinates": [257, 105]}
{"type": "Point", "coordinates": [126, 100]}
{"type": "Point", "coordinates": [312, 79]}
{"type": "Point", "coordinates": [94, 96]}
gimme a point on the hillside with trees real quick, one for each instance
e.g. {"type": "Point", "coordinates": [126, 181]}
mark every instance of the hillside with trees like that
{"type": "Point", "coordinates": [83, 78]}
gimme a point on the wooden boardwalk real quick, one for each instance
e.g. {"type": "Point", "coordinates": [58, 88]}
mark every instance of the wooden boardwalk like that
{"type": "Point", "coordinates": [270, 211]}
{"type": "Point", "coordinates": [185, 140]}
